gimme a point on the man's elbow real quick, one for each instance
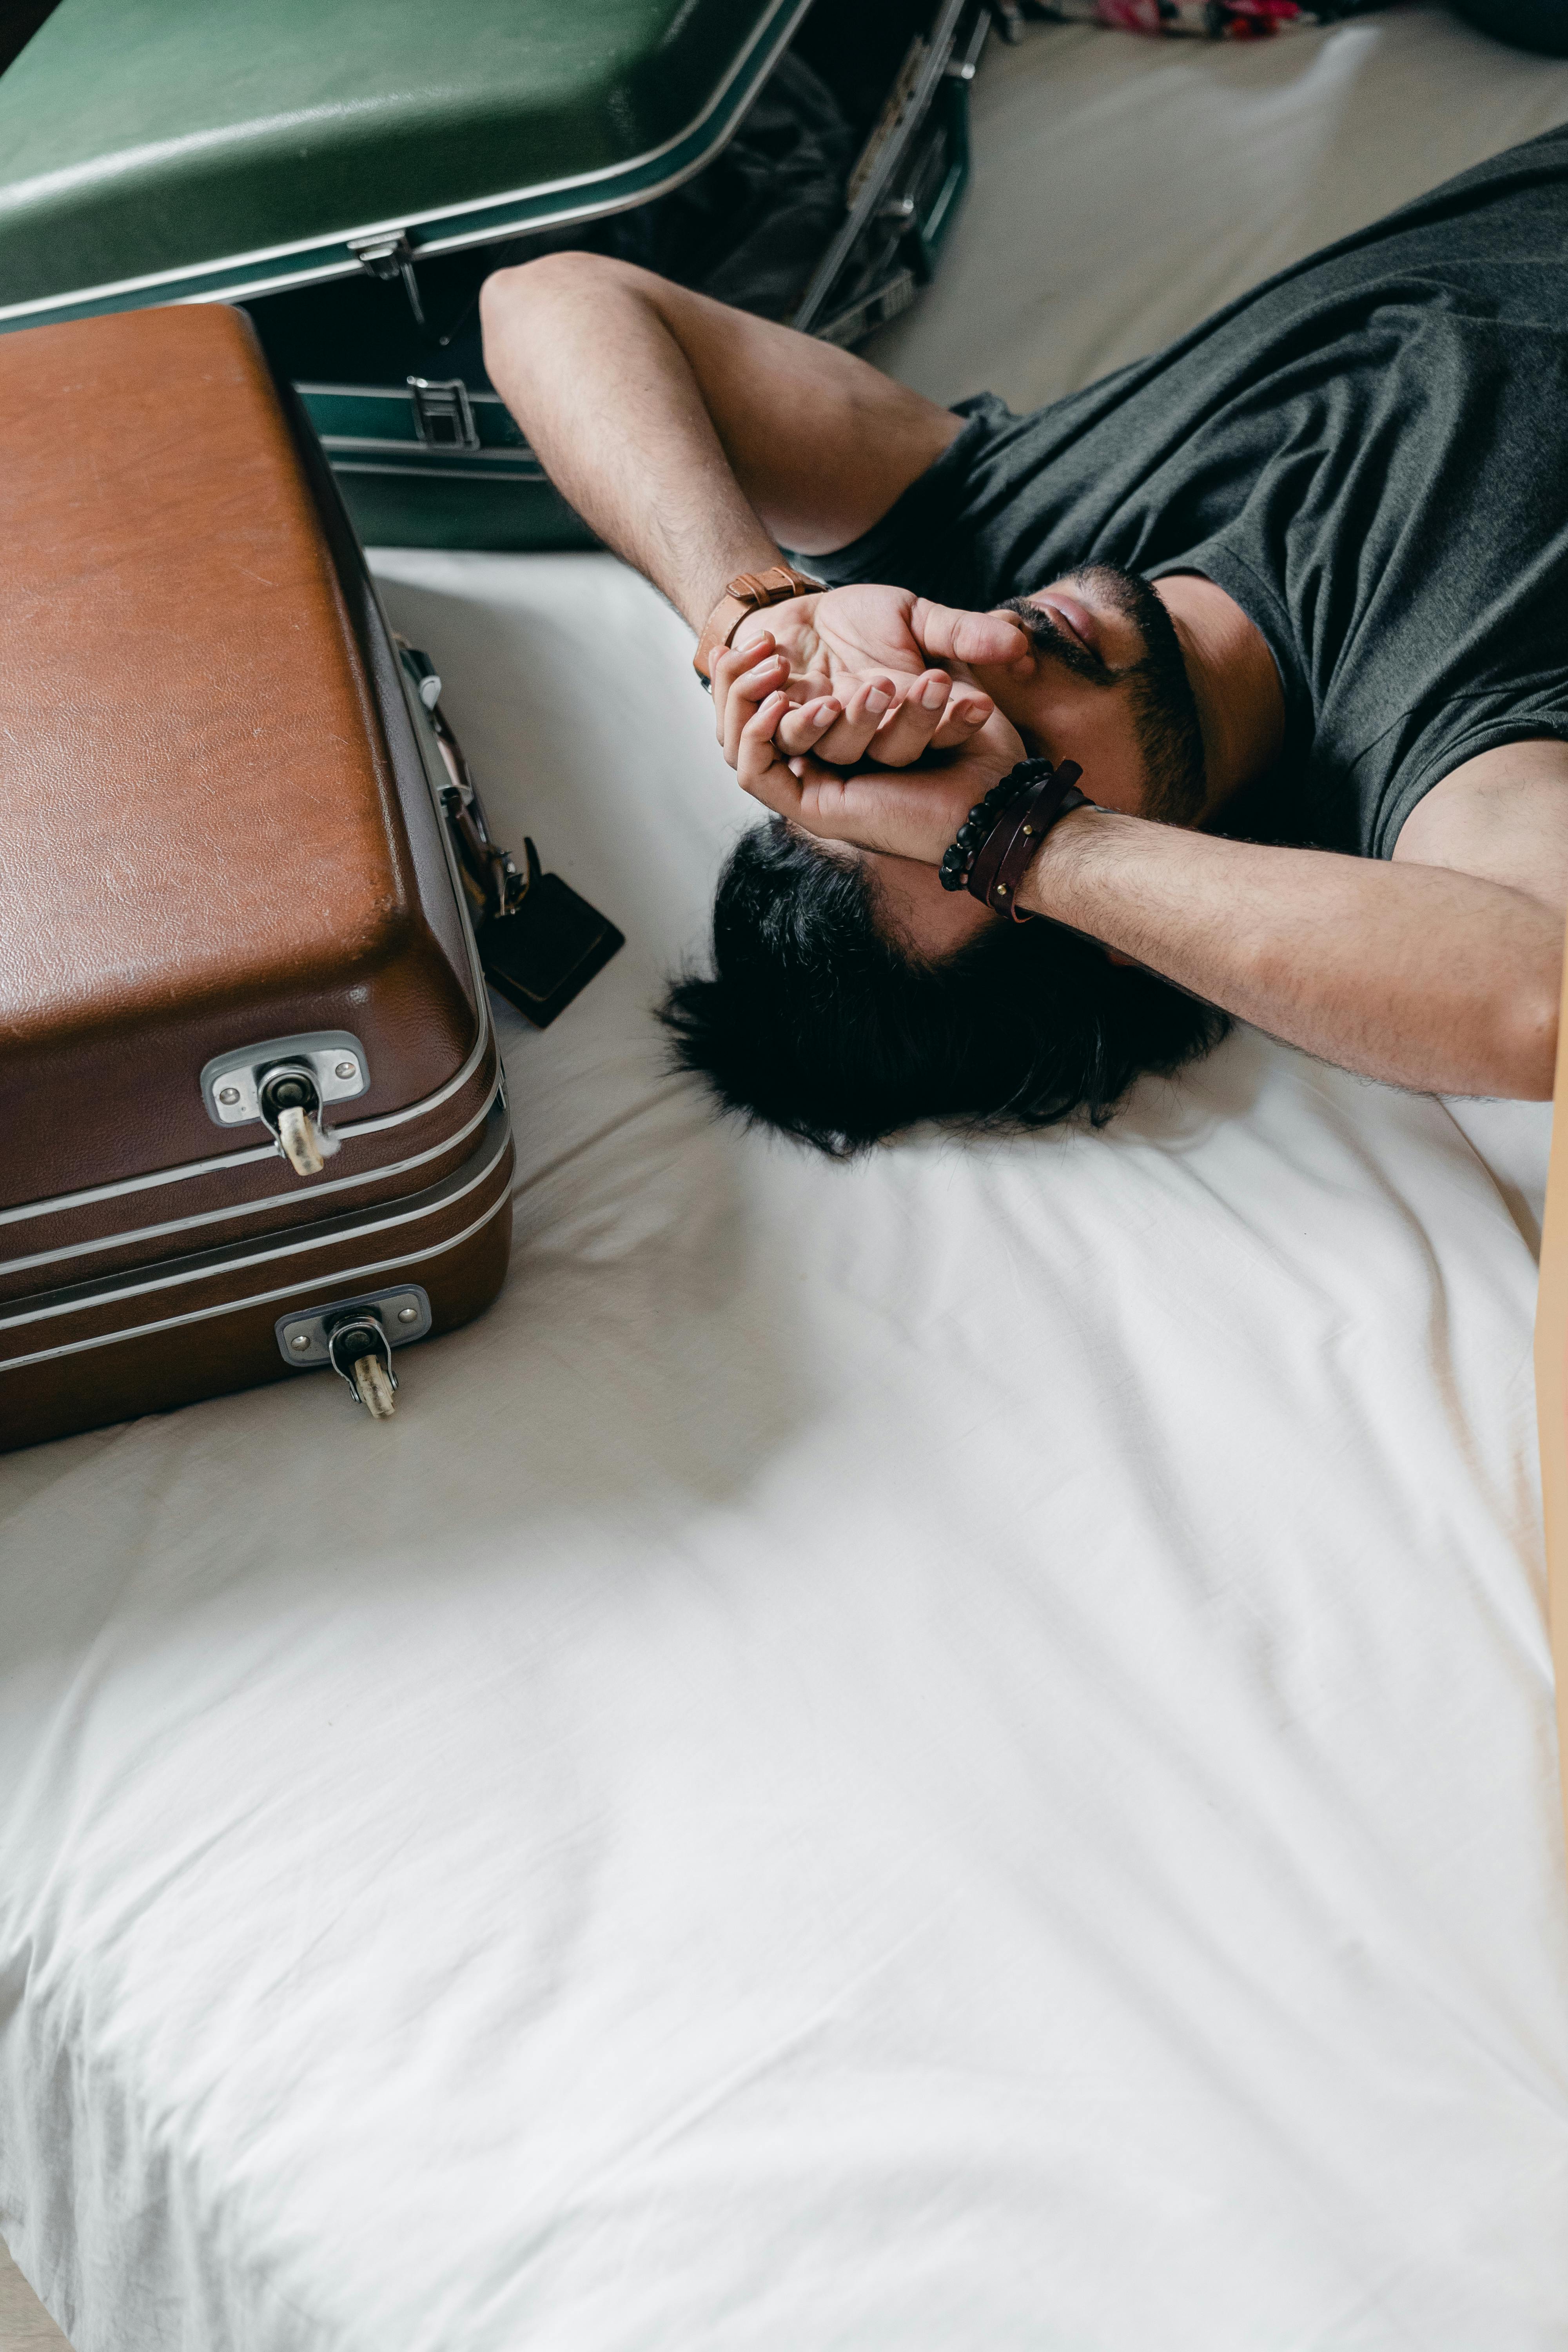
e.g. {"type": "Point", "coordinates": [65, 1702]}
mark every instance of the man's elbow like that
{"type": "Point", "coordinates": [508, 296]}
{"type": "Point", "coordinates": [1525, 1048]}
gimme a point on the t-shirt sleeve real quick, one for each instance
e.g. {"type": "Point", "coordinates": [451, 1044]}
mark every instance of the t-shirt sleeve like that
{"type": "Point", "coordinates": [924, 542]}
{"type": "Point", "coordinates": [1461, 734]}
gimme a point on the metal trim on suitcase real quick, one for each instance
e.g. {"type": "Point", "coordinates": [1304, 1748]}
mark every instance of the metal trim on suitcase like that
{"type": "Point", "coordinates": [135, 1237]}
{"type": "Point", "coordinates": [933, 64]}
{"type": "Point", "coordinates": [226, 1344]}
{"type": "Point", "coordinates": [235, 1257]}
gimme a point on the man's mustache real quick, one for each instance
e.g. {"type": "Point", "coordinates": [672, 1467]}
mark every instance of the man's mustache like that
{"type": "Point", "coordinates": [1047, 636]}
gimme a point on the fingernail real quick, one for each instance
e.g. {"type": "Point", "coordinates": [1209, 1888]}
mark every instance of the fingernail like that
{"type": "Point", "coordinates": [935, 695]}
{"type": "Point", "coordinates": [971, 716]}
{"type": "Point", "coordinates": [876, 700]}
{"type": "Point", "coordinates": [797, 767]}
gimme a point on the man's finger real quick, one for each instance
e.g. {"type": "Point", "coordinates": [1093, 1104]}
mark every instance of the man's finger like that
{"type": "Point", "coordinates": [758, 768]}
{"type": "Point", "coordinates": [800, 728]}
{"type": "Point", "coordinates": [731, 662]}
{"type": "Point", "coordinates": [846, 739]}
{"type": "Point", "coordinates": [948, 633]}
{"type": "Point", "coordinates": [966, 714]}
{"type": "Point", "coordinates": [746, 689]}
{"type": "Point", "coordinates": [909, 727]}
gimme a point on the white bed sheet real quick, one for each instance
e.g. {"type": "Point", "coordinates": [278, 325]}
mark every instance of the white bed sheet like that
{"type": "Point", "coordinates": [951, 1753]}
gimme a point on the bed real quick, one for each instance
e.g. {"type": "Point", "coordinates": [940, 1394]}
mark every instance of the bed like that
{"type": "Point", "coordinates": [951, 1752]}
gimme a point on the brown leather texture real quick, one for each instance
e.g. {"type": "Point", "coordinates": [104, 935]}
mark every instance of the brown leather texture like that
{"type": "Point", "coordinates": [201, 1326]}
{"type": "Point", "coordinates": [202, 837]}
{"type": "Point", "coordinates": [748, 592]}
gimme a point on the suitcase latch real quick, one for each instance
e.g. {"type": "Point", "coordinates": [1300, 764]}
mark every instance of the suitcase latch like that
{"type": "Point", "coordinates": [357, 1338]}
{"type": "Point", "coordinates": [362, 1355]}
{"type": "Point", "coordinates": [286, 1083]}
{"type": "Point", "coordinates": [389, 256]}
{"type": "Point", "coordinates": [444, 413]}
{"type": "Point", "coordinates": [290, 1102]}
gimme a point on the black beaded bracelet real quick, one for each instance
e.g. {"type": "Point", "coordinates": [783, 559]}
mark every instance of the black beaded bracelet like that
{"type": "Point", "coordinates": [958, 859]}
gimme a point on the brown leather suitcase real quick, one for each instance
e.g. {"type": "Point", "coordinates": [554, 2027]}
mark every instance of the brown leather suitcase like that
{"type": "Point", "coordinates": [251, 1112]}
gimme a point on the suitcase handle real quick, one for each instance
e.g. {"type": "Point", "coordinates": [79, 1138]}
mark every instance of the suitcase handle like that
{"type": "Point", "coordinates": [541, 964]}
{"type": "Point", "coordinates": [489, 871]}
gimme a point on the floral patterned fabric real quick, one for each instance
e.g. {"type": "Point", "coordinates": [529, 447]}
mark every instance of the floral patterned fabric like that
{"type": "Point", "coordinates": [1209, 20]}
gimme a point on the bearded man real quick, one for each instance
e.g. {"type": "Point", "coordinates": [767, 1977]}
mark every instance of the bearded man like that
{"type": "Point", "coordinates": [1234, 685]}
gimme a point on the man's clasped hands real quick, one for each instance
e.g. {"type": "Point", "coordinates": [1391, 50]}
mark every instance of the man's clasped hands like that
{"type": "Point", "coordinates": [857, 714]}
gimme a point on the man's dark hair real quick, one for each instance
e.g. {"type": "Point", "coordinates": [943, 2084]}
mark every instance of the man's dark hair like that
{"type": "Point", "coordinates": [812, 1022]}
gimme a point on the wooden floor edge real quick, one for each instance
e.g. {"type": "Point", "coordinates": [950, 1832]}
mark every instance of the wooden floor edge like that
{"type": "Point", "coordinates": [24, 2324]}
{"type": "Point", "coordinates": [1551, 1396]}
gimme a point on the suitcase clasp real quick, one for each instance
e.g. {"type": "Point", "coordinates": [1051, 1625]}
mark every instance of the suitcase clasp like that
{"type": "Point", "coordinates": [357, 1338]}
{"type": "Point", "coordinates": [362, 1355]}
{"type": "Point", "coordinates": [286, 1083]}
{"type": "Point", "coordinates": [388, 256]}
{"type": "Point", "coordinates": [291, 1103]}
{"type": "Point", "coordinates": [444, 413]}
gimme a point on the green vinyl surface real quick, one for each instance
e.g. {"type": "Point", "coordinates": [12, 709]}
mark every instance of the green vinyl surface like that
{"type": "Point", "coordinates": [151, 149]}
{"type": "Point", "coordinates": [403, 493]}
{"type": "Point", "coordinates": [443, 509]}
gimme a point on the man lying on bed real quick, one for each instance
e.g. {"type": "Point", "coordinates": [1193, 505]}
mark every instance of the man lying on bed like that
{"type": "Point", "coordinates": [1299, 580]}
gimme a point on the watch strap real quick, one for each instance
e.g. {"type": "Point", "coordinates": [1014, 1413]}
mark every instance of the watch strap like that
{"type": "Point", "coordinates": [748, 592]}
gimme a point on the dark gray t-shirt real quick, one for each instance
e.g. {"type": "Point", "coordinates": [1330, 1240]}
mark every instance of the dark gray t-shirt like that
{"type": "Point", "coordinates": [1370, 454]}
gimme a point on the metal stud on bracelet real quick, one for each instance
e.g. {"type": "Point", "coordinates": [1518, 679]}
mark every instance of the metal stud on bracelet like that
{"type": "Point", "coordinates": [997, 874]}
{"type": "Point", "coordinates": [1050, 792]}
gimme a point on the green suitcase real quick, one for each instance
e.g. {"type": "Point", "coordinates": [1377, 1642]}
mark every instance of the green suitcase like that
{"type": "Point", "coordinates": [351, 171]}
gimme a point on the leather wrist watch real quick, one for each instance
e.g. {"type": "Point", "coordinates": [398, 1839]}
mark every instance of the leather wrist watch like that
{"type": "Point", "coordinates": [748, 592]}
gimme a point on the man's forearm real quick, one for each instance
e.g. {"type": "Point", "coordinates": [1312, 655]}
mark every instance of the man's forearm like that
{"type": "Point", "coordinates": [610, 405]}
{"type": "Point", "coordinates": [1414, 974]}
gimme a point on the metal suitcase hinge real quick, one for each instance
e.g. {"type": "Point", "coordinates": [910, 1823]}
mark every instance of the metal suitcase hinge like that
{"type": "Point", "coordinates": [540, 943]}
{"type": "Point", "coordinates": [494, 887]}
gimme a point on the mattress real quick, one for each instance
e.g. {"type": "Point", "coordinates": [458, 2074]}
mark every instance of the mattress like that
{"type": "Point", "coordinates": [953, 1751]}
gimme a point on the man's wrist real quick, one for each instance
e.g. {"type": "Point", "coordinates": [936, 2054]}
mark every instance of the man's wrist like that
{"type": "Point", "coordinates": [747, 594]}
{"type": "Point", "coordinates": [715, 578]}
{"type": "Point", "coordinates": [1075, 848]}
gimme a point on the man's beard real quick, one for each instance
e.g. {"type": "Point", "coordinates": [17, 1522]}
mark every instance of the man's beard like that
{"type": "Point", "coordinates": [1163, 709]}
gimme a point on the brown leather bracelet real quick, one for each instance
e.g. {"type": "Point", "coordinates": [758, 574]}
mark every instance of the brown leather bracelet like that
{"type": "Point", "coordinates": [748, 592]}
{"type": "Point", "coordinates": [1017, 836]}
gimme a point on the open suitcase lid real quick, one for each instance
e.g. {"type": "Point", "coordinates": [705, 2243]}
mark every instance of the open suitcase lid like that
{"type": "Point", "coordinates": [160, 150]}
